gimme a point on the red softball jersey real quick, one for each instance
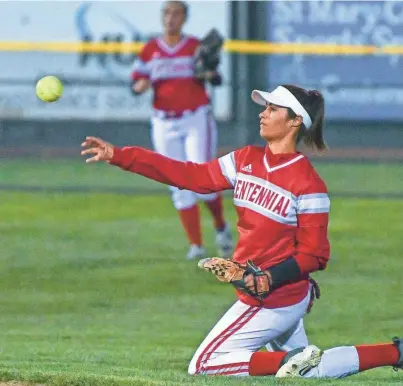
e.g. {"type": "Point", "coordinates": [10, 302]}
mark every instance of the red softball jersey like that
{"type": "Point", "coordinates": [281, 202]}
{"type": "Point", "coordinates": [172, 74]}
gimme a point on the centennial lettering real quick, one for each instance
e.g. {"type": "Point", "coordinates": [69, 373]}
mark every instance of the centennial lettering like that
{"type": "Point", "coordinates": [266, 198]}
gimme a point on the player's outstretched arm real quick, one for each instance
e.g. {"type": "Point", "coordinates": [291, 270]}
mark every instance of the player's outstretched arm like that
{"type": "Point", "coordinates": [199, 178]}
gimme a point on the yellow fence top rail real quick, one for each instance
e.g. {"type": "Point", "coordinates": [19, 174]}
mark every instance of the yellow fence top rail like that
{"type": "Point", "coordinates": [231, 46]}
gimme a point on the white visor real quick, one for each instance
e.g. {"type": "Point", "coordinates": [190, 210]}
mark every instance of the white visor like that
{"type": "Point", "coordinates": [285, 98]}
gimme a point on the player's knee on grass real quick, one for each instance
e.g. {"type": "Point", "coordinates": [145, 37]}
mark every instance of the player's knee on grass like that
{"type": "Point", "coordinates": [183, 199]}
{"type": "Point", "coordinates": [192, 368]}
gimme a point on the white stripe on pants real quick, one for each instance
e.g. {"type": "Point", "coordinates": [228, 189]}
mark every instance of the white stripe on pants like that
{"type": "Point", "coordinates": [243, 330]}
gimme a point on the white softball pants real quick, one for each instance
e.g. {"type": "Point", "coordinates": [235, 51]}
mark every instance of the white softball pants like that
{"type": "Point", "coordinates": [190, 138]}
{"type": "Point", "coordinates": [243, 330]}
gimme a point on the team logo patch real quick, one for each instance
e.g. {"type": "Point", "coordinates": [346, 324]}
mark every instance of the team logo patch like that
{"type": "Point", "coordinates": [247, 168]}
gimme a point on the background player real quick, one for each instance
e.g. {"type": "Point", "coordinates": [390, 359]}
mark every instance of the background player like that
{"type": "Point", "coordinates": [283, 207]}
{"type": "Point", "coordinates": [183, 126]}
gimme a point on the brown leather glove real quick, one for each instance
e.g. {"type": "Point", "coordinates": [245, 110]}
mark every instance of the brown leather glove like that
{"type": "Point", "coordinates": [229, 271]}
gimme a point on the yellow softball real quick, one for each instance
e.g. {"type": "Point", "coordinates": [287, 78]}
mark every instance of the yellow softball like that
{"type": "Point", "coordinates": [49, 88]}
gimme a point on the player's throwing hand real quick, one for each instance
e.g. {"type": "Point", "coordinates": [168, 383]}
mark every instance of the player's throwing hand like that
{"type": "Point", "coordinates": [102, 150]}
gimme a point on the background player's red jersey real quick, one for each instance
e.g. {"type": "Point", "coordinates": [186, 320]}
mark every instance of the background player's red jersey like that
{"type": "Point", "coordinates": [171, 71]}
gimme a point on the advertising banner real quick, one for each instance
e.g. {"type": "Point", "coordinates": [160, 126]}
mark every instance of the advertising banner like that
{"type": "Point", "coordinates": [97, 86]}
{"type": "Point", "coordinates": [362, 87]}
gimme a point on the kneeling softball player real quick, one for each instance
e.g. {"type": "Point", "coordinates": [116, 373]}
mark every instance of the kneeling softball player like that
{"type": "Point", "coordinates": [283, 207]}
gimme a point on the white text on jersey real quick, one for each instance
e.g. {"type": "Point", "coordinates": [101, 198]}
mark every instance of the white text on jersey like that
{"type": "Point", "coordinates": [166, 68]}
{"type": "Point", "coordinates": [265, 198]}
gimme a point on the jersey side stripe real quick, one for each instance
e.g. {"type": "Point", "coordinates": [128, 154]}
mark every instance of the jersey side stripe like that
{"type": "Point", "coordinates": [141, 67]}
{"type": "Point", "coordinates": [228, 169]}
{"type": "Point", "coordinates": [313, 203]}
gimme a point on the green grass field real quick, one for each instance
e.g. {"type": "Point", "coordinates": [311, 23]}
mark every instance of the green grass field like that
{"type": "Point", "coordinates": [96, 289]}
{"type": "Point", "coordinates": [342, 179]}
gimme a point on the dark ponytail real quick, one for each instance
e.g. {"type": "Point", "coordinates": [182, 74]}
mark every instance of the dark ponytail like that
{"type": "Point", "coordinates": [314, 104]}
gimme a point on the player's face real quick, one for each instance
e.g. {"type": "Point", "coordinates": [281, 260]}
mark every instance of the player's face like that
{"type": "Point", "coordinates": [275, 123]}
{"type": "Point", "coordinates": [173, 18]}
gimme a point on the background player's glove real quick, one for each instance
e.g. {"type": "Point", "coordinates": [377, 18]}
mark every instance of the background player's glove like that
{"type": "Point", "coordinates": [229, 271]}
{"type": "Point", "coordinates": [207, 56]}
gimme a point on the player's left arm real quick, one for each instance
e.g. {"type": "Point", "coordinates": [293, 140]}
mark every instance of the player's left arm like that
{"type": "Point", "coordinates": [312, 243]}
{"type": "Point", "coordinates": [313, 249]}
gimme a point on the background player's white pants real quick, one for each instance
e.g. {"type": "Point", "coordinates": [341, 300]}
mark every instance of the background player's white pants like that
{"type": "Point", "coordinates": [190, 138]}
{"type": "Point", "coordinates": [243, 330]}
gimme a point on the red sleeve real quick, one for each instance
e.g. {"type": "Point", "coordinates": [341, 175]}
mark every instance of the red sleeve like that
{"type": "Point", "coordinates": [313, 248]}
{"type": "Point", "coordinates": [199, 178]}
{"type": "Point", "coordinates": [141, 66]}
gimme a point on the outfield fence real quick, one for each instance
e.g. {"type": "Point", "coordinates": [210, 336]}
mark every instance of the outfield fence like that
{"type": "Point", "coordinates": [361, 82]}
